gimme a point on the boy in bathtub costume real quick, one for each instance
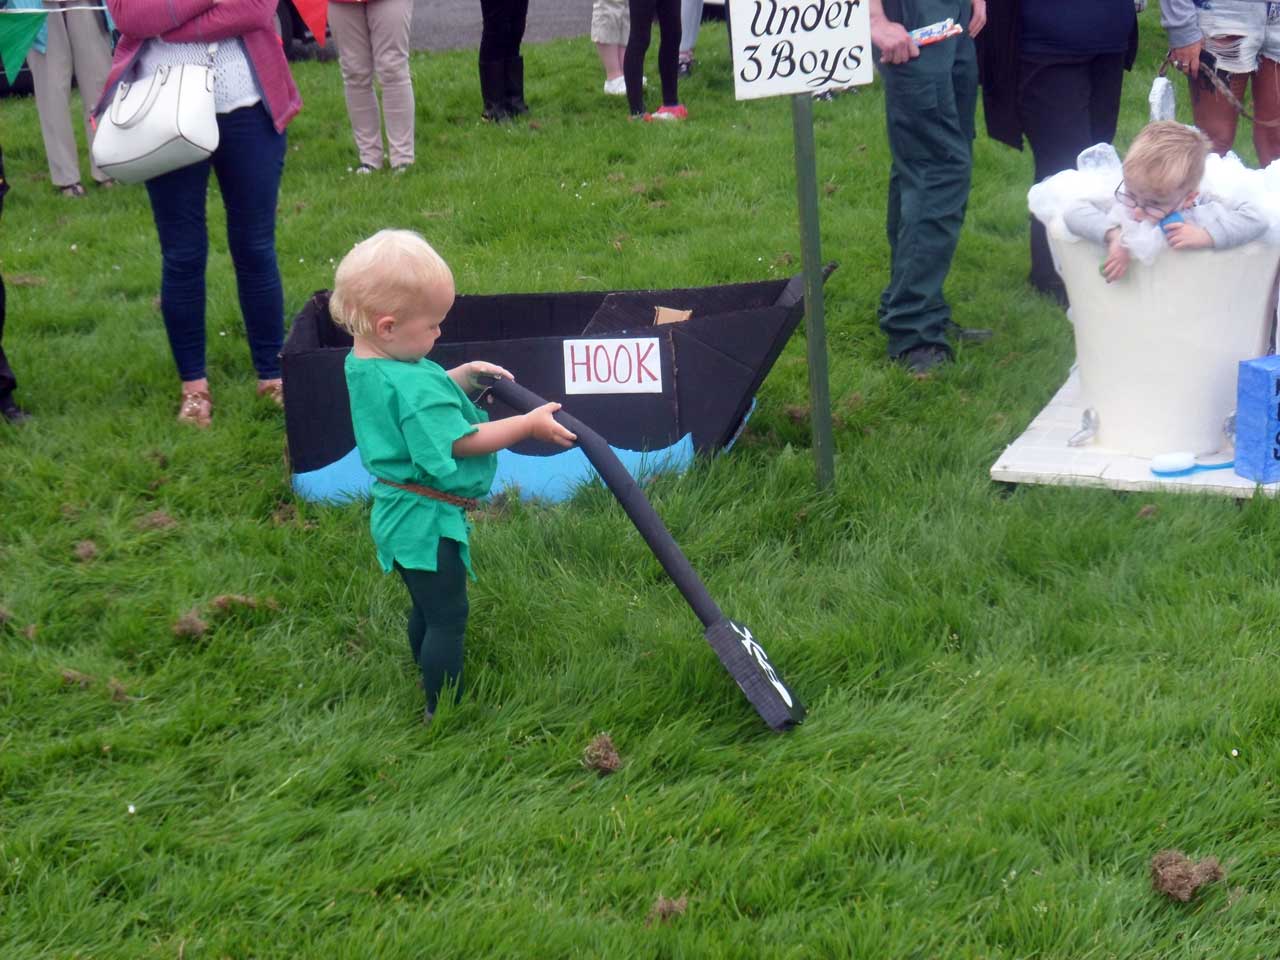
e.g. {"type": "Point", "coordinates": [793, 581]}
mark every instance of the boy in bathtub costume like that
{"type": "Point", "coordinates": [1162, 174]}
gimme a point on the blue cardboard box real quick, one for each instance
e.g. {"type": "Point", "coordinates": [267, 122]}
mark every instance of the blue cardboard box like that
{"type": "Point", "coordinates": [1258, 420]}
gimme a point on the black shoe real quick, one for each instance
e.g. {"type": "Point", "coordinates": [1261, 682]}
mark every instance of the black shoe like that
{"type": "Point", "coordinates": [10, 410]}
{"type": "Point", "coordinates": [684, 68]}
{"type": "Point", "coordinates": [514, 76]}
{"type": "Point", "coordinates": [968, 334]}
{"type": "Point", "coordinates": [923, 360]}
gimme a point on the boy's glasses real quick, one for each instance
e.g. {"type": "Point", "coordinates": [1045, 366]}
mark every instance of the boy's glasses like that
{"type": "Point", "coordinates": [1157, 209]}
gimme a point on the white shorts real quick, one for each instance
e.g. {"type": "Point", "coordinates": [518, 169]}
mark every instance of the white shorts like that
{"type": "Point", "coordinates": [1253, 29]}
{"type": "Point", "coordinates": [610, 22]}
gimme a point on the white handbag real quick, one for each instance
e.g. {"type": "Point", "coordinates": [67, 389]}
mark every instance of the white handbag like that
{"type": "Point", "coordinates": [158, 124]}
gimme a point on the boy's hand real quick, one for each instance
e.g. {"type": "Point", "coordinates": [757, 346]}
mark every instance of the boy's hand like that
{"type": "Point", "coordinates": [1187, 236]}
{"type": "Point", "coordinates": [1117, 263]}
{"type": "Point", "coordinates": [543, 426]}
{"type": "Point", "coordinates": [467, 375]}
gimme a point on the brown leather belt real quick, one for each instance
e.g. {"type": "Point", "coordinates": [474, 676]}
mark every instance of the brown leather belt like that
{"type": "Point", "coordinates": [466, 503]}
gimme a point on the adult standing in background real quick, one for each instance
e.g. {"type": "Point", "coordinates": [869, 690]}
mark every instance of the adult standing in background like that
{"type": "Point", "coordinates": [501, 66]}
{"type": "Point", "coordinates": [930, 96]}
{"type": "Point", "coordinates": [1244, 38]}
{"type": "Point", "coordinates": [1053, 72]}
{"type": "Point", "coordinates": [71, 44]}
{"type": "Point", "coordinates": [255, 98]}
{"type": "Point", "coordinates": [9, 409]}
{"type": "Point", "coordinates": [610, 28]}
{"type": "Point", "coordinates": [373, 40]}
{"type": "Point", "coordinates": [690, 22]}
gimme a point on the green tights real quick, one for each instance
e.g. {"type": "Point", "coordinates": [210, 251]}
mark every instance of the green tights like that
{"type": "Point", "coordinates": [438, 620]}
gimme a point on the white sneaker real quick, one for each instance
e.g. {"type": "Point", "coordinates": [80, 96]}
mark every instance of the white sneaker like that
{"type": "Point", "coordinates": [617, 87]}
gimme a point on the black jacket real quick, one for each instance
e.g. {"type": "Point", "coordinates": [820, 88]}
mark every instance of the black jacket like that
{"type": "Point", "coordinates": [998, 69]}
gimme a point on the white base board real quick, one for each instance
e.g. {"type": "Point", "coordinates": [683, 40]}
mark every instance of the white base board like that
{"type": "Point", "coordinates": [1041, 455]}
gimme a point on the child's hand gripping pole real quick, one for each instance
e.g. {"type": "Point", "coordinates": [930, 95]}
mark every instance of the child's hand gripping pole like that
{"type": "Point", "coordinates": [739, 651]}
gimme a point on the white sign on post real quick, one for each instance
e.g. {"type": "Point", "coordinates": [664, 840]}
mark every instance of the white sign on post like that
{"type": "Point", "coordinates": [785, 47]}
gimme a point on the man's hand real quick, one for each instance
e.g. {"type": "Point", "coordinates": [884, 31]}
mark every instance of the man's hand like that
{"type": "Point", "coordinates": [1117, 263]}
{"type": "Point", "coordinates": [1187, 59]}
{"type": "Point", "coordinates": [543, 426]}
{"type": "Point", "coordinates": [1187, 236]}
{"type": "Point", "coordinates": [978, 19]}
{"type": "Point", "coordinates": [891, 38]}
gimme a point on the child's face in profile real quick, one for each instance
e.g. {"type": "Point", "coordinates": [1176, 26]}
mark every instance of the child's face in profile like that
{"type": "Point", "coordinates": [411, 337]}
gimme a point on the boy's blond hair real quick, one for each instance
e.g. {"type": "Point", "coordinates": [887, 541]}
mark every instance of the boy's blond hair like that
{"type": "Point", "coordinates": [1166, 157]}
{"type": "Point", "coordinates": [390, 274]}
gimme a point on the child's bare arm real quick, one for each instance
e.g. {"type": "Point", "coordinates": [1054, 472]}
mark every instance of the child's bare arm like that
{"type": "Point", "coordinates": [539, 424]}
{"type": "Point", "coordinates": [1117, 263]}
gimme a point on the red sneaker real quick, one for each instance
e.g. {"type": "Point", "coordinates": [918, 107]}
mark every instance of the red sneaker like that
{"type": "Point", "coordinates": [678, 112]}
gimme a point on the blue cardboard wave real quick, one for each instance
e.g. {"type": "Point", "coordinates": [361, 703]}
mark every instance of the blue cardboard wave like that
{"type": "Point", "coordinates": [552, 478]}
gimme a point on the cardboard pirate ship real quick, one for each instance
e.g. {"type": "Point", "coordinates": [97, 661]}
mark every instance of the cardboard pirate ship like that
{"type": "Point", "coordinates": [660, 374]}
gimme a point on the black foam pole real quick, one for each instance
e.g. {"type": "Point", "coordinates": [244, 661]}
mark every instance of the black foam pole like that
{"type": "Point", "coordinates": [628, 493]}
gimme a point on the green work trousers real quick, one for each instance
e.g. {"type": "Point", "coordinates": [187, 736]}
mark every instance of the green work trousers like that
{"type": "Point", "coordinates": [438, 620]}
{"type": "Point", "coordinates": [929, 109]}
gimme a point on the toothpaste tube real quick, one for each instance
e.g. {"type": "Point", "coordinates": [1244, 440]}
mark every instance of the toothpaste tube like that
{"type": "Point", "coordinates": [936, 32]}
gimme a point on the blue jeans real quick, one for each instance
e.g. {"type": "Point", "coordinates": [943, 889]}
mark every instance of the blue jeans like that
{"type": "Point", "coordinates": [248, 163]}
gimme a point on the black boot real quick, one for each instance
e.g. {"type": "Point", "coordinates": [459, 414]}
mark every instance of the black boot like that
{"type": "Point", "coordinates": [492, 84]}
{"type": "Point", "coordinates": [514, 100]}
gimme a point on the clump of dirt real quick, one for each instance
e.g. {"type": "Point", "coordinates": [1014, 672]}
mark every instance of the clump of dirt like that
{"type": "Point", "coordinates": [156, 520]}
{"type": "Point", "coordinates": [1148, 511]}
{"type": "Point", "coordinates": [76, 678]}
{"type": "Point", "coordinates": [601, 755]}
{"type": "Point", "coordinates": [190, 624]}
{"type": "Point", "coordinates": [1179, 877]}
{"type": "Point", "coordinates": [86, 550]}
{"type": "Point", "coordinates": [796, 412]}
{"type": "Point", "coordinates": [30, 631]}
{"type": "Point", "coordinates": [665, 909]}
{"type": "Point", "coordinates": [227, 602]}
{"type": "Point", "coordinates": [118, 692]}
{"type": "Point", "coordinates": [284, 514]}
{"type": "Point", "coordinates": [5, 615]}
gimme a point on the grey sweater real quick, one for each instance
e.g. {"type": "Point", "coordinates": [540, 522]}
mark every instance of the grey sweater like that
{"type": "Point", "coordinates": [1229, 226]}
{"type": "Point", "coordinates": [1179, 20]}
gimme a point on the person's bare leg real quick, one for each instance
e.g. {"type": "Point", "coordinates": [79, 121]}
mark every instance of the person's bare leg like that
{"type": "Point", "coordinates": [1266, 106]}
{"type": "Point", "coordinates": [611, 59]}
{"type": "Point", "coordinates": [1214, 113]}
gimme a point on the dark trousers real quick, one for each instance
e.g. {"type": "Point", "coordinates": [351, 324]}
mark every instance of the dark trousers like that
{"type": "Point", "coordinates": [929, 109]}
{"type": "Point", "coordinates": [8, 382]}
{"type": "Point", "coordinates": [1065, 106]}
{"type": "Point", "coordinates": [502, 28]}
{"type": "Point", "coordinates": [438, 620]}
{"type": "Point", "coordinates": [248, 163]}
{"type": "Point", "coordinates": [643, 13]}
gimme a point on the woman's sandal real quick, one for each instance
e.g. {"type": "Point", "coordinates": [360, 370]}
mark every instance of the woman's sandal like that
{"type": "Point", "coordinates": [273, 390]}
{"type": "Point", "coordinates": [196, 409]}
{"type": "Point", "coordinates": [72, 190]}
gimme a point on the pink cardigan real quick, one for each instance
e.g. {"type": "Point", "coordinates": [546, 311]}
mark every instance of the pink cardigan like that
{"type": "Point", "coordinates": [202, 21]}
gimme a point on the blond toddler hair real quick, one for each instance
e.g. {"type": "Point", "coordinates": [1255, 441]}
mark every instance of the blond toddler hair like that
{"type": "Point", "coordinates": [390, 274]}
{"type": "Point", "coordinates": [1166, 157]}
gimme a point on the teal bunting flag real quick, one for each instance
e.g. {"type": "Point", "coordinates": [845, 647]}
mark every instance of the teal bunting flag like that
{"type": "Point", "coordinates": [17, 31]}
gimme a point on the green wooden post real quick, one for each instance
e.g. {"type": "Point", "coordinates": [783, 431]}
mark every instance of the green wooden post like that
{"type": "Point", "coordinates": [815, 321]}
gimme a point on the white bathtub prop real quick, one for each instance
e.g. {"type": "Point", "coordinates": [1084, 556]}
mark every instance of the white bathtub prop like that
{"type": "Point", "coordinates": [1158, 350]}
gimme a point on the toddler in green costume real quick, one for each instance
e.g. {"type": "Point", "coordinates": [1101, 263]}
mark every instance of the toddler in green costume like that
{"type": "Point", "coordinates": [430, 448]}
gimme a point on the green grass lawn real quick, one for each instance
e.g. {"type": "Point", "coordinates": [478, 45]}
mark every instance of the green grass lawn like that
{"type": "Point", "coordinates": [1017, 695]}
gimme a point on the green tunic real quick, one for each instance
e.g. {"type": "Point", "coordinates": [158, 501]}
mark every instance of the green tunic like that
{"type": "Point", "coordinates": [406, 418]}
